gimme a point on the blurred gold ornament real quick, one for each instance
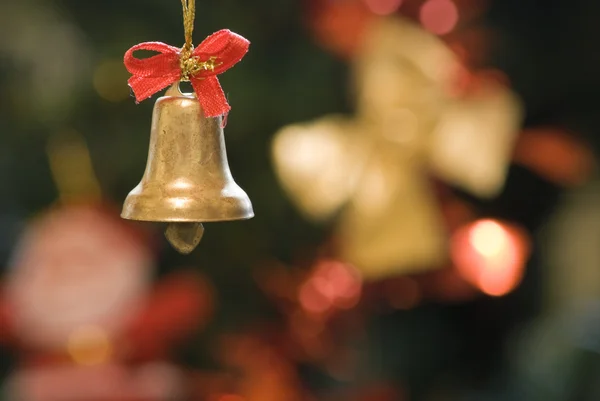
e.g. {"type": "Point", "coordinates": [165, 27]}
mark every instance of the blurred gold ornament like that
{"type": "Point", "coordinates": [474, 139]}
{"type": "Point", "coordinates": [320, 163]}
{"type": "Point", "coordinates": [187, 178]}
{"type": "Point", "coordinates": [408, 125]}
{"type": "Point", "coordinates": [71, 166]}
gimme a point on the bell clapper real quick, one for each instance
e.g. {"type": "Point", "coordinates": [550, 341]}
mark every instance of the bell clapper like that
{"type": "Point", "coordinates": [184, 237]}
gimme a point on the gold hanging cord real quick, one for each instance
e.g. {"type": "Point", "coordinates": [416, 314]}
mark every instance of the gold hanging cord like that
{"type": "Point", "coordinates": [191, 65]}
{"type": "Point", "coordinates": [189, 15]}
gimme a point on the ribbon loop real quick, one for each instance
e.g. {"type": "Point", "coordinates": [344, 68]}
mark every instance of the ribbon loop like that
{"type": "Point", "coordinates": [215, 55]}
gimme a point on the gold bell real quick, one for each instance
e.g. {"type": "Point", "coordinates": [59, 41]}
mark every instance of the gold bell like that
{"type": "Point", "coordinates": [187, 179]}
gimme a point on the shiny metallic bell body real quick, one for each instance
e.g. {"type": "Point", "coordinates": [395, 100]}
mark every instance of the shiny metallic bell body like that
{"type": "Point", "coordinates": [187, 177]}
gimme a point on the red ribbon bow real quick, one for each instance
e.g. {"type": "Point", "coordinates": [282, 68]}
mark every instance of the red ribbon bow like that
{"type": "Point", "coordinates": [215, 55]}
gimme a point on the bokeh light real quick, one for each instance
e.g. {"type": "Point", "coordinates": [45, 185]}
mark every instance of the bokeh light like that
{"type": "Point", "coordinates": [490, 255]}
{"type": "Point", "coordinates": [89, 345]}
{"type": "Point", "coordinates": [339, 25]}
{"type": "Point", "coordinates": [556, 155]}
{"type": "Point", "coordinates": [383, 7]}
{"type": "Point", "coordinates": [332, 285]}
{"type": "Point", "coordinates": [488, 238]}
{"type": "Point", "coordinates": [439, 16]}
{"type": "Point", "coordinates": [109, 81]}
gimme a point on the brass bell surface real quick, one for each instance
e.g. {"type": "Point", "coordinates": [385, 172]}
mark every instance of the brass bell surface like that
{"type": "Point", "coordinates": [187, 177]}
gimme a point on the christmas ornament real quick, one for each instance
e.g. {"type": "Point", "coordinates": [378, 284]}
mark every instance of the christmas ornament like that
{"type": "Point", "coordinates": [320, 163]}
{"type": "Point", "coordinates": [63, 280]}
{"type": "Point", "coordinates": [80, 304]}
{"type": "Point", "coordinates": [187, 179]}
{"type": "Point", "coordinates": [408, 125]}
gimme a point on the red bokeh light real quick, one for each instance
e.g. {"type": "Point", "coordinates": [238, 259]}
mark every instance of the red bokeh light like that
{"type": "Point", "coordinates": [439, 16]}
{"type": "Point", "coordinates": [339, 25]}
{"type": "Point", "coordinates": [556, 155]}
{"type": "Point", "coordinates": [490, 255]}
{"type": "Point", "coordinates": [333, 284]}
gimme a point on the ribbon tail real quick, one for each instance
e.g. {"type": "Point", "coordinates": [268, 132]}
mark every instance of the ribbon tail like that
{"type": "Point", "coordinates": [211, 96]}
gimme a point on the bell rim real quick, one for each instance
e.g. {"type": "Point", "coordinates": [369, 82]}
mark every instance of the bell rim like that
{"type": "Point", "coordinates": [183, 220]}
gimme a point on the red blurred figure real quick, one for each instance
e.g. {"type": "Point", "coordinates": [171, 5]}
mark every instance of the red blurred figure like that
{"type": "Point", "coordinates": [80, 310]}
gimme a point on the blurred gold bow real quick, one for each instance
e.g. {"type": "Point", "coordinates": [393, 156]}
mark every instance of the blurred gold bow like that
{"type": "Point", "coordinates": [408, 124]}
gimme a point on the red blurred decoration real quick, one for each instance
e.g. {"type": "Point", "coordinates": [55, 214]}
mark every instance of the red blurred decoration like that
{"type": "Point", "coordinates": [319, 305]}
{"type": "Point", "coordinates": [339, 25]}
{"type": "Point", "coordinates": [491, 255]}
{"type": "Point", "coordinates": [332, 285]}
{"type": "Point", "coordinates": [556, 155]}
{"type": "Point", "coordinates": [65, 277]}
{"type": "Point", "coordinates": [79, 309]}
{"type": "Point", "coordinates": [439, 16]}
{"type": "Point", "coordinates": [180, 304]}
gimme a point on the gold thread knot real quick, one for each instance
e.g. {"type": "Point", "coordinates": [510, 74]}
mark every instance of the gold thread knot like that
{"type": "Point", "coordinates": [191, 65]}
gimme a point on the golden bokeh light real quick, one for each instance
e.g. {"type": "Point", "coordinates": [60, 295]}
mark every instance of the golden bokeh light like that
{"type": "Point", "coordinates": [488, 238]}
{"type": "Point", "coordinates": [71, 166]}
{"type": "Point", "coordinates": [110, 81]}
{"type": "Point", "coordinates": [89, 345]}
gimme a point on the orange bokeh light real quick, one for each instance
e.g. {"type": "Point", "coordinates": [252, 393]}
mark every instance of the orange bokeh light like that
{"type": "Point", "coordinates": [491, 255]}
{"type": "Point", "coordinates": [383, 7]}
{"type": "Point", "coordinates": [439, 16]}
{"type": "Point", "coordinates": [556, 155]}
